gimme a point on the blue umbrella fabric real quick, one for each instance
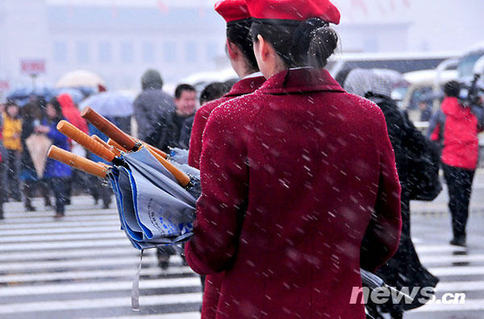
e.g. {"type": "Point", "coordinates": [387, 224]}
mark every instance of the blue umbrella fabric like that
{"type": "Point", "coordinates": [154, 209]}
{"type": "Point", "coordinates": [112, 104]}
{"type": "Point", "coordinates": [22, 96]}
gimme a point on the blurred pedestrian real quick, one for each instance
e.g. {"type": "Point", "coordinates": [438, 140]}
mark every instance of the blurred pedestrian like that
{"type": "Point", "coordinates": [455, 127]}
{"type": "Point", "coordinates": [3, 170]}
{"type": "Point", "coordinates": [56, 173]}
{"type": "Point", "coordinates": [212, 91]}
{"type": "Point", "coordinates": [152, 104]}
{"type": "Point", "coordinates": [425, 111]}
{"type": "Point", "coordinates": [404, 268]}
{"type": "Point", "coordinates": [294, 178]}
{"type": "Point", "coordinates": [3, 163]}
{"type": "Point", "coordinates": [167, 132]}
{"type": "Point", "coordinates": [98, 188]}
{"type": "Point", "coordinates": [32, 116]}
{"type": "Point", "coordinates": [12, 129]}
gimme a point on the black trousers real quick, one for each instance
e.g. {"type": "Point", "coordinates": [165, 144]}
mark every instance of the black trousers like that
{"type": "Point", "coordinates": [58, 186]}
{"type": "Point", "coordinates": [459, 183]}
{"type": "Point", "coordinates": [13, 167]}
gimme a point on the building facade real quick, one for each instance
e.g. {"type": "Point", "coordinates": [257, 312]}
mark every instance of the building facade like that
{"type": "Point", "coordinates": [120, 39]}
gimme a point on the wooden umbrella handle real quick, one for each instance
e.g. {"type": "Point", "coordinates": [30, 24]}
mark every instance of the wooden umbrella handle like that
{"type": "Point", "coordinates": [182, 178]}
{"type": "Point", "coordinates": [100, 140]}
{"type": "Point", "coordinates": [153, 149]}
{"type": "Point", "coordinates": [85, 140]}
{"type": "Point", "coordinates": [106, 145]}
{"type": "Point", "coordinates": [115, 145]}
{"type": "Point", "coordinates": [77, 162]}
{"type": "Point", "coordinates": [108, 128]}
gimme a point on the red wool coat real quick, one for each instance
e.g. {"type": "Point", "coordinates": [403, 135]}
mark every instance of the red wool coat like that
{"type": "Point", "coordinates": [294, 177]}
{"type": "Point", "coordinates": [242, 87]}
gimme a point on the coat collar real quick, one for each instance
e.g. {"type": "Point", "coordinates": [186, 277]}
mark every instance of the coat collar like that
{"type": "Point", "coordinates": [246, 86]}
{"type": "Point", "coordinates": [300, 80]}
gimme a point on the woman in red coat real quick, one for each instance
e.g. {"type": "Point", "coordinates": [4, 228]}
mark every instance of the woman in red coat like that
{"type": "Point", "coordinates": [299, 184]}
{"type": "Point", "coordinates": [241, 54]}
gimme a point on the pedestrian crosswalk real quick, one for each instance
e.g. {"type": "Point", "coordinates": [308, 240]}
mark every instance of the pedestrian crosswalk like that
{"type": "Point", "coordinates": [82, 266]}
{"type": "Point", "coordinates": [461, 270]}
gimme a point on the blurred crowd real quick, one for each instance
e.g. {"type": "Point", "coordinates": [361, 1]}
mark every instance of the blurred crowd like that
{"type": "Point", "coordinates": [28, 130]}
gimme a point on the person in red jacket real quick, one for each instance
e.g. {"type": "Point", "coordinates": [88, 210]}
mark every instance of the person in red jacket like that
{"type": "Point", "coordinates": [241, 54]}
{"type": "Point", "coordinates": [456, 127]}
{"type": "Point", "coordinates": [299, 183]}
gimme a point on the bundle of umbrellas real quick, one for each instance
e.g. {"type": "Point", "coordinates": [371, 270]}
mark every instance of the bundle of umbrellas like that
{"type": "Point", "coordinates": [155, 196]}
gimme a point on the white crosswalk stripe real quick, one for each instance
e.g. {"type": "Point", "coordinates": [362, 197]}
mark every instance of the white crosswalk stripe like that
{"type": "Point", "coordinates": [84, 265]}
{"type": "Point", "coordinates": [457, 269]}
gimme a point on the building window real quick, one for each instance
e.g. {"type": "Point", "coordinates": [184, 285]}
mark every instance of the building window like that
{"type": "Point", "coordinates": [82, 49]}
{"type": "Point", "coordinates": [105, 52]}
{"type": "Point", "coordinates": [127, 52]}
{"type": "Point", "coordinates": [169, 51]}
{"type": "Point", "coordinates": [60, 51]}
{"type": "Point", "coordinates": [191, 54]}
{"type": "Point", "coordinates": [148, 52]}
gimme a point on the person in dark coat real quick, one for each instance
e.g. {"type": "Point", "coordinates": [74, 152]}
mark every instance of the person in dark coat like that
{"type": "Point", "coordinates": [241, 54]}
{"type": "Point", "coordinates": [56, 173]}
{"type": "Point", "coordinates": [294, 177]}
{"type": "Point", "coordinates": [404, 268]}
{"type": "Point", "coordinates": [167, 132]}
{"type": "Point", "coordinates": [33, 116]}
{"type": "Point", "coordinates": [456, 127]}
{"type": "Point", "coordinates": [151, 104]}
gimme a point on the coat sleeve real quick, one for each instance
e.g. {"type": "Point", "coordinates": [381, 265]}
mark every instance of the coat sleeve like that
{"type": "Point", "coordinates": [195, 149]}
{"type": "Point", "coordinates": [140, 115]}
{"type": "Point", "coordinates": [57, 137]}
{"type": "Point", "coordinates": [220, 209]}
{"type": "Point", "coordinates": [383, 233]}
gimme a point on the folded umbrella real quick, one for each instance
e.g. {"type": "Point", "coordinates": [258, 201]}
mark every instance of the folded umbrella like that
{"type": "Point", "coordinates": [154, 209]}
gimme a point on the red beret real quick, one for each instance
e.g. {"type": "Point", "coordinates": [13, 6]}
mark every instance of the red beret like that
{"type": "Point", "coordinates": [299, 10]}
{"type": "Point", "coordinates": [232, 10]}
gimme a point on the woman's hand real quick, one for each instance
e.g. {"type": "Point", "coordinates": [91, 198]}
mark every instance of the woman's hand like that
{"type": "Point", "coordinates": [42, 129]}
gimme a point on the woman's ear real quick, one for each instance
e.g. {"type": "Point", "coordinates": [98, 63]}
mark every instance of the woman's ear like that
{"type": "Point", "coordinates": [263, 48]}
{"type": "Point", "coordinates": [232, 50]}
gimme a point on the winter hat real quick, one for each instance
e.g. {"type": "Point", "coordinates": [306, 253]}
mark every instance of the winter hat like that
{"type": "Point", "coordinates": [151, 79]}
{"type": "Point", "coordinates": [232, 10]}
{"type": "Point", "coordinates": [298, 10]}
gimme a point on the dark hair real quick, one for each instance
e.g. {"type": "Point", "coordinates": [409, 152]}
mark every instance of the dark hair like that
{"type": "Point", "coordinates": [183, 87]}
{"type": "Point", "coordinates": [238, 32]}
{"type": "Point", "coordinates": [10, 103]}
{"type": "Point", "coordinates": [452, 89]}
{"type": "Point", "coordinates": [58, 109]}
{"type": "Point", "coordinates": [298, 43]}
{"type": "Point", "coordinates": [212, 92]}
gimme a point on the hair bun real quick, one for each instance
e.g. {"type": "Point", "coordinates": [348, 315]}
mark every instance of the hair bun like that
{"type": "Point", "coordinates": [322, 45]}
{"type": "Point", "coordinates": [313, 42]}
